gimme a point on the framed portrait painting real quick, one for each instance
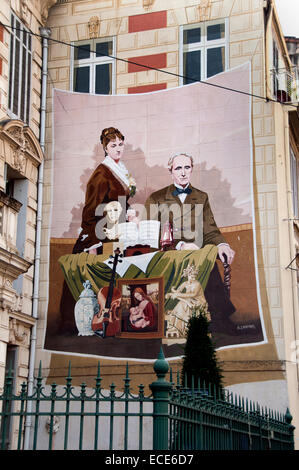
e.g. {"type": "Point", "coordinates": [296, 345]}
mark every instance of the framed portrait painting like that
{"type": "Point", "coordinates": [141, 308]}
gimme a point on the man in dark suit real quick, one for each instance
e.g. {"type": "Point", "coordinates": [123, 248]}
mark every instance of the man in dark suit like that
{"type": "Point", "coordinates": [188, 210]}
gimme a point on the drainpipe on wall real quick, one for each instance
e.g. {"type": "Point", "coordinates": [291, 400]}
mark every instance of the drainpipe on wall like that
{"type": "Point", "coordinates": [45, 33]}
{"type": "Point", "coordinates": [268, 23]}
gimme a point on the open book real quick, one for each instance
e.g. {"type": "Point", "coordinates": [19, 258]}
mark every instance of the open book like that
{"type": "Point", "coordinates": [146, 234]}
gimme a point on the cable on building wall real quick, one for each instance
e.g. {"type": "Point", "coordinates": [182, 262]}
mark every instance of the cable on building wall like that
{"type": "Point", "coordinates": [148, 67]}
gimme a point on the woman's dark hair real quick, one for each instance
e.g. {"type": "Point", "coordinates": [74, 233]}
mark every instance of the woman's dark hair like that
{"type": "Point", "coordinates": [110, 133]}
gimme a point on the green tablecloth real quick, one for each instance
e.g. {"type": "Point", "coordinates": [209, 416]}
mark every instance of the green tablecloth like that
{"type": "Point", "coordinates": [78, 268]}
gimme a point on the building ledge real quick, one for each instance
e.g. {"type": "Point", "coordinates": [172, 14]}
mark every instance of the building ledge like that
{"type": "Point", "coordinates": [9, 201]}
{"type": "Point", "coordinates": [12, 265]}
{"type": "Point", "coordinates": [23, 318]}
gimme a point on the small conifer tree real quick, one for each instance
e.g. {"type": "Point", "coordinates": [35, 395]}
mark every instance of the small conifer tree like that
{"type": "Point", "coordinates": [200, 360]}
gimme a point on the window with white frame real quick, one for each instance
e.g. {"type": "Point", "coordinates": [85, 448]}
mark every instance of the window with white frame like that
{"type": "Point", "coordinates": [294, 181]}
{"type": "Point", "coordinates": [93, 66]}
{"type": "Point", "coordinates": [20, 70]}
{"type": "Point", "coordinates": [203, 50]}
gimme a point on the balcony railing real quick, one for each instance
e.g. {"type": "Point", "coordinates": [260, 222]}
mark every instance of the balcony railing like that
{"type": "Point", "coordinates": [286, 84]}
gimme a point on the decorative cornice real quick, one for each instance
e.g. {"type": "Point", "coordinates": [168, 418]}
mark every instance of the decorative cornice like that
{"type": "Point", "coordinates": [12, 264]}
{"type": "Point", "coordinates": [94, 27]}
{"type": "Point", "coordinates": [204, 10]}
{"type": "Point", "coordinates": [24, 318]}
{"type": "Point", "coordinates": [25, 12]}
{"type": "Point", "coordinates": [23, 141]}
{"type": "Point", "coordinates": [148, 4]}
{"type": "Point", "coordinates": [18, 332]}
{"type": "Point", "coordinates": [45, 7]}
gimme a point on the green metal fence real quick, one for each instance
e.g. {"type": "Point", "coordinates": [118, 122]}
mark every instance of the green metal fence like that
{"type": "Point", "coordinates": [172, 417]}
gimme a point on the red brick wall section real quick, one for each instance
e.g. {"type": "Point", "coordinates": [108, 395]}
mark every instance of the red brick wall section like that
{"type": "Point", "coordinates": [147, 21]}
{"type": "Point", "coordinates": [157, 61]}
{"type": "Point", "coordinates": [147, 88]}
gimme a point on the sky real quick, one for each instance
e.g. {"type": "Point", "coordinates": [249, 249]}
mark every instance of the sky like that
{"type": "Point", "coordinates": [288, 12]}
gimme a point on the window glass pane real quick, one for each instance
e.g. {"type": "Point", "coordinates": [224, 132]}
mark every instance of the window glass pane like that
{"type": "Point", "coordinates": [192, 35]}
{"type": "Point", "coordinates": [81, 79]}
{"type": "Point", "coordinates": [25, 37]}
{"type": "Point", "coordinates": [275, 56]}
{"type": "Point", "coordinates": [215, 61]}
{"type": "Point", "coordinates": [18, 29]}
{"type": "Point", "coordinates": [82, 52]}
{"type": "Point", "coordinates": [20, 71]}
{"type": "Point", "coordinates": [103, 79]}
{"type": "Point", "coordinates": [28, 87]}
{"type": "Point", "coordinates": [192, 66]}
{"type": "Point", "coordinates": [215, 31]}
{"type": "Point", "coordinates": [103, 48]}
{"type": "Point", "coordinates": [16, 79]}
{"type": "Point", "coordinates": [11, 68]}
{"type": "Point", "coordinates": [23, 86]}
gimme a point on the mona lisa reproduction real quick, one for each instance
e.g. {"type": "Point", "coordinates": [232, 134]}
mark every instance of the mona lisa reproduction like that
{"type": "Point", "coordinates": [141, 308]}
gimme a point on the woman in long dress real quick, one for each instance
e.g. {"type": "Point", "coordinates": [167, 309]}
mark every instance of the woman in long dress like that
{"type": "Point", "coordinates": [110, 181]}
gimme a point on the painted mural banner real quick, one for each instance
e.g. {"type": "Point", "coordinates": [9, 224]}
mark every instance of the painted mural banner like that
{"type": "Point", "coordinates": [152, 218]}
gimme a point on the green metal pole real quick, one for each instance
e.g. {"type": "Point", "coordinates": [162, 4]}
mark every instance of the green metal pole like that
{"type": "Point", "coordinates": [6, 406]}
{"type": "Point", "coordinates": [289, 419]}
{"type": "Point", "coordinates": [161, 393]}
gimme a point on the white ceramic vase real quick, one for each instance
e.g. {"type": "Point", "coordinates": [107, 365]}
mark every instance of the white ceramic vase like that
{"type": "Point", "coordinates": [85, 309]}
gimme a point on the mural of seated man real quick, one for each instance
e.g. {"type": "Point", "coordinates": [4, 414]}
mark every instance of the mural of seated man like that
{"type": "Point", "coordinates": [190, 202]}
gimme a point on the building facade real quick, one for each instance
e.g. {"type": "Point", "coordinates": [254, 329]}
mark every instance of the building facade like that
{"type": "Point", "coordinates": [123, 47]}
{"type": "Point", "coordinates": [21, 158]}
{"type": "Point", "coordinates": [187, 40]}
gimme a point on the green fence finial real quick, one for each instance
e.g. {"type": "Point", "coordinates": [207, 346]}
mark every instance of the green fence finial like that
{"type": "Point", "coordinates": [161, 366]}
{"type": "Point", "coordinates": [40, 370]}
{"type": "Point", "coordinates": [288, 416]}
{"type": "Point", "coordinates": [161, 394]}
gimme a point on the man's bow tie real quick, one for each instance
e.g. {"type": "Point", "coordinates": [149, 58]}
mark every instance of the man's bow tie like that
{"type": "Point", "coordinates": [178, 191]}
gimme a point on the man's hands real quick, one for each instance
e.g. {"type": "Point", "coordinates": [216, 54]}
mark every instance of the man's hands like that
{"type": "Point", "coordinates": [225, 253]}
{"type": "Point", "coordinates": [225, 250]}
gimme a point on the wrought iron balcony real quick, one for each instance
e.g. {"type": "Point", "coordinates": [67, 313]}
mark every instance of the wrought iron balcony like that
{"type": "Point", "coordinates": [286, 84]}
